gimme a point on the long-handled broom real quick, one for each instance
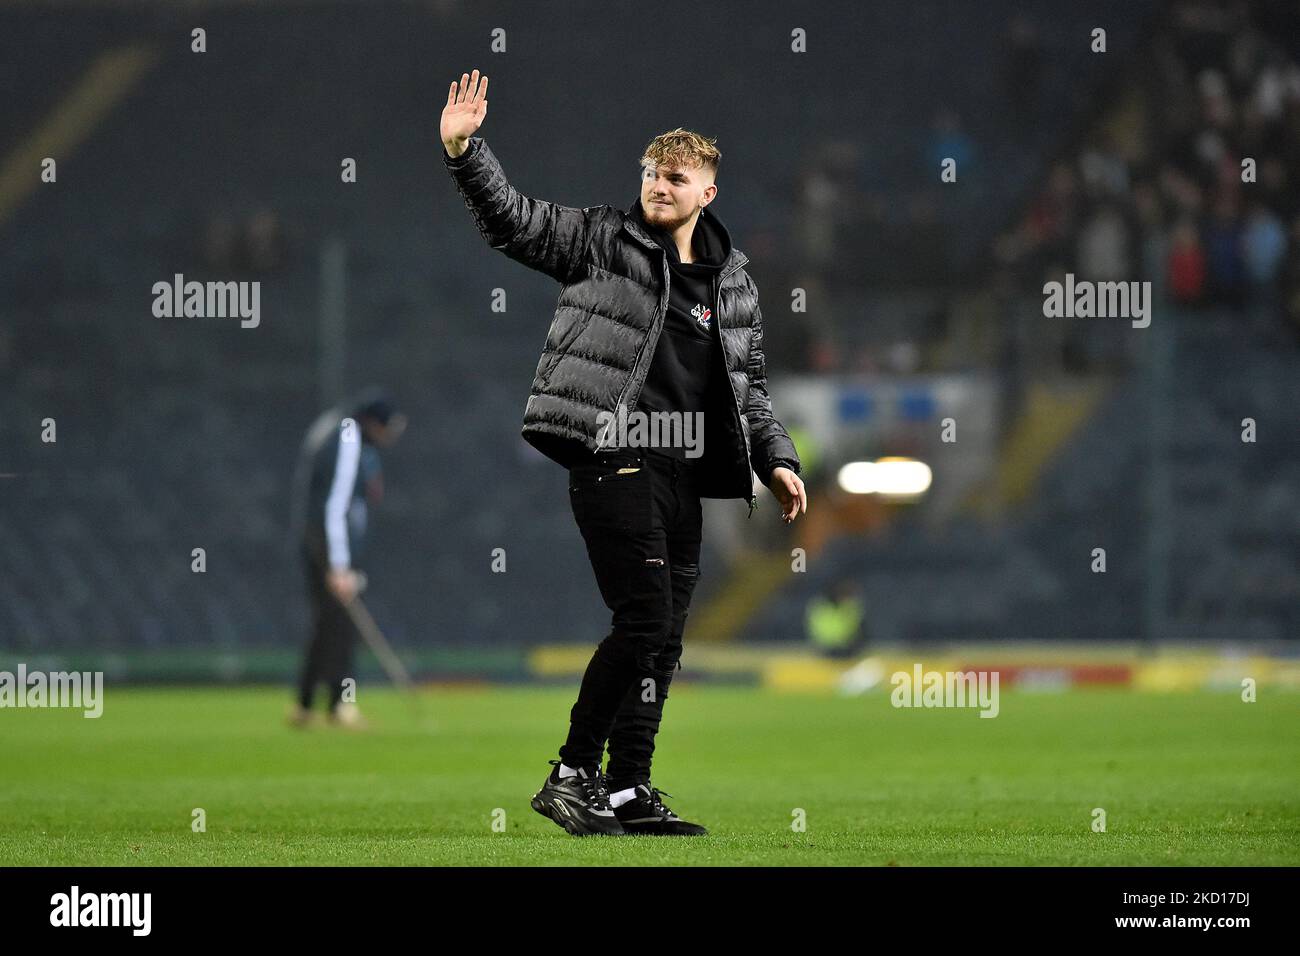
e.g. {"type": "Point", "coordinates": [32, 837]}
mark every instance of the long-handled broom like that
{"type": "Point", "coordinates": [376, 641]}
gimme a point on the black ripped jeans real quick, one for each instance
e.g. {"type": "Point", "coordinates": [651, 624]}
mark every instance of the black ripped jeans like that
{"type": "Point", "coordinates": [642, 530]}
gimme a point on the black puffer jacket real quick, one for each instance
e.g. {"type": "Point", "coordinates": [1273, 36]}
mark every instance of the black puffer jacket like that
{"type": "Point", "coordinates": [608, 319]}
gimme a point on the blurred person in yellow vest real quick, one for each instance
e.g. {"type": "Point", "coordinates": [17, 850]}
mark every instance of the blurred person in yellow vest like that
{"type": "Point", "coordinates": [833, 621]}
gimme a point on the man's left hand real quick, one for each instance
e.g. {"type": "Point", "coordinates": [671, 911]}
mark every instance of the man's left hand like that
{"type": "Point", "coordinates": [788, 489]}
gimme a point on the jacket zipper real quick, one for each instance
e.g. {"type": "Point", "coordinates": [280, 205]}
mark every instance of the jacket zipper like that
{"type": "Point", "coordinates": [731, 389]}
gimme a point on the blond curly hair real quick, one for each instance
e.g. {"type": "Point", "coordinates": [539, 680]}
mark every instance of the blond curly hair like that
{"type": "Point", "coordinates": [681, 147]}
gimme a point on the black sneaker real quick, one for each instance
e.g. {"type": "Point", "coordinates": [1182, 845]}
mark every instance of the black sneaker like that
{"type": "Point", "coordinates": [580, 803]}
{"type": "Point", "coordinates": [645, 814]}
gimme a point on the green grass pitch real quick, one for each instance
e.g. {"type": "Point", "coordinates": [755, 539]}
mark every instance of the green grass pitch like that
{"type": "Point", "coordinates": [1196, 778]}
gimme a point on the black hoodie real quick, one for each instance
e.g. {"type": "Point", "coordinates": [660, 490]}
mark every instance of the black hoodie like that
{"type": "Point", "coordinates": [686, 370]}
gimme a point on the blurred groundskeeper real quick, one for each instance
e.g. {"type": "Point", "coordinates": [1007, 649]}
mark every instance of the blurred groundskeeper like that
{"type": "Point", "coordinates": [833, 621]}
{"type": "Point", "coordinates": [338, 478]}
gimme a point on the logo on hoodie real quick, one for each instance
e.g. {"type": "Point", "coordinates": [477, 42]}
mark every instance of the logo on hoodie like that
{"type": "Point", "coordinates": [703, 316]}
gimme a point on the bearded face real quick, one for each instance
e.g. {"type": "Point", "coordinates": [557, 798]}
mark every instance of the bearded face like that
{"type": "Point", "coordinates": [672, 195]}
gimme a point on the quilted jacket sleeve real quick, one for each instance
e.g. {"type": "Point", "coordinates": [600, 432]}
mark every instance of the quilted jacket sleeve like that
{"type": "Point", "coordinates": [542, 235]}
{"type": "Point", "coordinates": [769, 443]}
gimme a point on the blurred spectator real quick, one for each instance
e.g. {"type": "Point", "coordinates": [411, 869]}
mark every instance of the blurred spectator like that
{"type": "Point", "coordinates": [1186, 264]}
{"type": "Point", "coordinates": [833, 621]}
{"type": "Point", "coordinates": [835, 217]}
{"type": "Point", "coordinates": [903, 358]}
{"type": "Point", "coordinates": [949, 141]}
{"type": "Point", "coordinates": [264, 242]}
{"type": "Point", "coordinates": [219, 244]}
{"type": "Point", "coordinates": [829, 200]}
{"type": "Point", "coordinates": [1263, 248]}
{"type": "Point", "coordinates": [1051, 219]}
{"type": "Point", "coordinates": [1223, 253]}
{"type": "Point", "coordinates": [1104, 172]}
{"type": "Point", "coordinates": [1104, 246]}
{"type": "Point", "coordinates": [1263, 253]}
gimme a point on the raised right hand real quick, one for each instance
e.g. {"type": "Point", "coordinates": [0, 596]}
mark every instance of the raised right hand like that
{"type": "Point", "coordinates": [464, 113]}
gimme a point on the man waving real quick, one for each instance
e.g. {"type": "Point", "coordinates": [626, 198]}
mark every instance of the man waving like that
{"type": "Point", "coordinates": [656, 320]}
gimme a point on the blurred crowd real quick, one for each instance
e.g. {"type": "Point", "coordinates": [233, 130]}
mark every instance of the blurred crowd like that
{"type": "Point", "coordinates": [1185, 176]}
{"type": "Point", "coordinates": [1188, 179]}
{"type": "Point", "coordinates": [876, 238]}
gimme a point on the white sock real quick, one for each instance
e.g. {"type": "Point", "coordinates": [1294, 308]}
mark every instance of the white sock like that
{"type": "Point", "coordinates": [567, 772]}
{"type": "Point", "coordinates": [622, 797]}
